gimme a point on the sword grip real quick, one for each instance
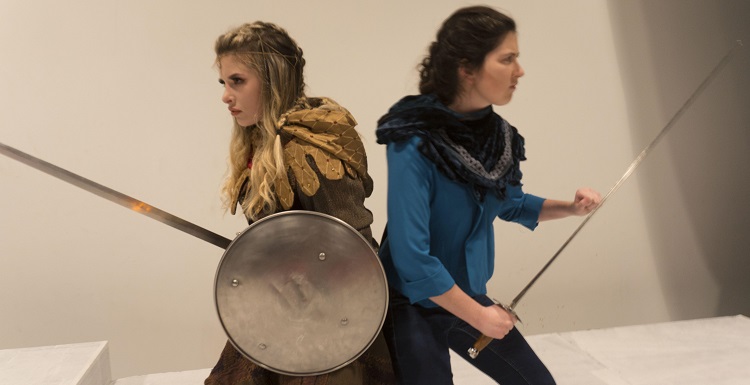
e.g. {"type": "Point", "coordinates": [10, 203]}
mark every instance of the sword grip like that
{"type": "Point", "coordinates": [483, 340]}
{"type": "Point", "coordinates": [480, 344]}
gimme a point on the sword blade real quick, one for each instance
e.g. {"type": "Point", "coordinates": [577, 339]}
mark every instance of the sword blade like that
{"type": "Point", "coordinates": [636, 162]}
{"type": "Point", "coordinates": [483, 340]}
{"type": "Point", "coordinates": [116, 197]}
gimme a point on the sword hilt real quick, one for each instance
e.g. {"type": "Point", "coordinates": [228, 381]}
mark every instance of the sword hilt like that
{"type": "Point", "coordinates": [483, 340]}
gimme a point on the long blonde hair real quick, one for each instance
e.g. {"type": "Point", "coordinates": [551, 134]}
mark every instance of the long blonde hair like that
{"type": "Point", "coordinates": [274, 56]}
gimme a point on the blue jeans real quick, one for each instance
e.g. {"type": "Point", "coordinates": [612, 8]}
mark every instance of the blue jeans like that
{"type": "Point", "coordinates": [419, 338]}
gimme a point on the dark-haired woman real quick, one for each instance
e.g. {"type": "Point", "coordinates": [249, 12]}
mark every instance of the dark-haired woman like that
{"type": "Point", "coordinates": [453, 168]}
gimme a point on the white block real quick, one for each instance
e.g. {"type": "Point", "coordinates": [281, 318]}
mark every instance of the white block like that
{"type": "Point", "coordinates": [74, 364]}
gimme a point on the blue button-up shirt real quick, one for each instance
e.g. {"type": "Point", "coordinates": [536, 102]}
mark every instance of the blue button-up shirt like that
{"type": "Point", "coordinates": [439, 234]}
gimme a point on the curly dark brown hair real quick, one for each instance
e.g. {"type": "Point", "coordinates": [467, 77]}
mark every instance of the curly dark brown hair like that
{"type": "Point", "coordinates": [464, 39]}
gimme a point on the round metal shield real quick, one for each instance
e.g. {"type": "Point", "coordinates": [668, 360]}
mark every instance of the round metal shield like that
{"type": "Point", "coordinates": [301, 293]}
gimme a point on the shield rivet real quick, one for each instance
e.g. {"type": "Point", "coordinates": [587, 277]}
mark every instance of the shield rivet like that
{"type": "Point", "coordinates": [262, 346]}
{"type": "Point", "coordinates": [235, 283]}
{"type": "Point", "coordinates": [322, 256]}
{"type": "Point", "coordinates": [344, 321]}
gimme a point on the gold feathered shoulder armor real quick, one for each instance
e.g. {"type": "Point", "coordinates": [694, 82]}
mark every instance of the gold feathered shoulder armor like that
{"type": "Point", "coordinates": [324, 130]}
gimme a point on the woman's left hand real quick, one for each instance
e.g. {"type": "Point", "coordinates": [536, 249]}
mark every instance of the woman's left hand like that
{"type": "Point", "coordinates": [585, 201]}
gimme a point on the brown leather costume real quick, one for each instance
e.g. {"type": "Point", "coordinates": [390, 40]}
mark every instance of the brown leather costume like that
{"type": "Point", "coordinates": [328, 167]}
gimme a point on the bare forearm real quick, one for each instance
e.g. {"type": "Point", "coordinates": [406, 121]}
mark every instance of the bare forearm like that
{"type": "Point", "coordinates": [554, 209]}
{"type": "Point", "coordinates": [584, 202]}
{"type": "Point", "coordinates": [491, 321]}
{"type": "Point", "coordinates": [458, 303]}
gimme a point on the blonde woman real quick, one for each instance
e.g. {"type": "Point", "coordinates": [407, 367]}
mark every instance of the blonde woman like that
{"type": "Point", "coordinates": [289, 151]}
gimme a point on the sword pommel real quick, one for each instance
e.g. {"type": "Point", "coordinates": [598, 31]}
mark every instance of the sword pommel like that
{"type": "Point", "coordinates": [480, 344]}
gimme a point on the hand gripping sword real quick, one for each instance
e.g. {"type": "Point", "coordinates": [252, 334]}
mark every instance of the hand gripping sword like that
{"type": "Point", "coordinates": [483, 340]}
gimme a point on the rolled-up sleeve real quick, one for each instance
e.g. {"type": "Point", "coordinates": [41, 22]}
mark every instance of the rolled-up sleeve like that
{"type": "Point", "coordinates": [521, 208]}
{"type": "Point", "coordinates": [419, 275]}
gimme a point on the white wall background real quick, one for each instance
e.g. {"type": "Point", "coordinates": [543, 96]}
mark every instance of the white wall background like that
{"type": "Point", "coordinates": [124, 93]}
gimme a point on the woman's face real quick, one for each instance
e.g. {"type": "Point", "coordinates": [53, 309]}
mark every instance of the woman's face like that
{"type": "Point", "coordinates": [241, 90]}
{"type": "Point", "coordinates": [495, 82]}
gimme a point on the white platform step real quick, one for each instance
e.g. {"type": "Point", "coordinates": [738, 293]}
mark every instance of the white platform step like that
{"type": "Point", "coordinates": [712, 351]}
{"type": "Point", "coordinates": [190, 377]}
{"type": "Point", "coordinates": [75, 364]}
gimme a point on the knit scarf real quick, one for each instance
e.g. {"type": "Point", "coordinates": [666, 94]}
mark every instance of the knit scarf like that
{"type": "Point", "coordinates": [479, 149]}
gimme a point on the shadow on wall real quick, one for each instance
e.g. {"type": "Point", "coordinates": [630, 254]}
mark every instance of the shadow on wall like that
{"type": "Point", "coordinates": [695, 183]}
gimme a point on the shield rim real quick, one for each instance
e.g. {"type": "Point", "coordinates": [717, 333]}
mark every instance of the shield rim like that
{"type": "Point", "coordinates": [330, 218]}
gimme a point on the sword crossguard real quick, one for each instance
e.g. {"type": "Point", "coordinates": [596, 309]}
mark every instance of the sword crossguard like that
{"type": "Point", "coordinates": [509, 310]}
{"type": "Point", "coordinates": [483, 340]}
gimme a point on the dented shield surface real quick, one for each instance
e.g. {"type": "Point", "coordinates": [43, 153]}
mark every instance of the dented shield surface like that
{"type": "Point", "coordinates": [301, 293]}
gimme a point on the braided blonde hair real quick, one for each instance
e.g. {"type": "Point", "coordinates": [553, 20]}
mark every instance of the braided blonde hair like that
{"type": "Point", "coordinates": [274, 56]}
